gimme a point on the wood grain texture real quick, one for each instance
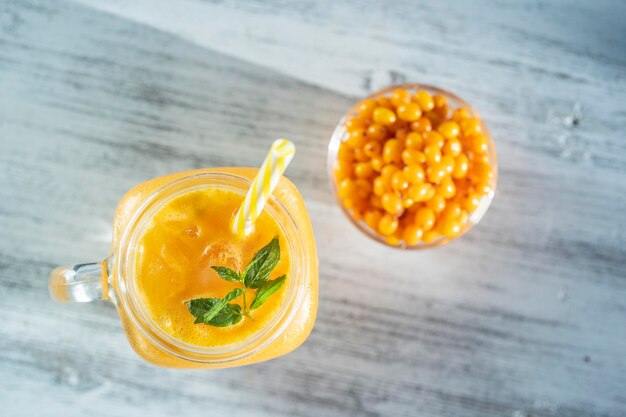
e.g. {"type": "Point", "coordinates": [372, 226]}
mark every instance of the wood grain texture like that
{"type": "Point", "coordinates": [522, 317]}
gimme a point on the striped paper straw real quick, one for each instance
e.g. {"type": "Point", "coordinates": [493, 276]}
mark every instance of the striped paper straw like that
{"type": "Point", "coordinates": [277, 159]}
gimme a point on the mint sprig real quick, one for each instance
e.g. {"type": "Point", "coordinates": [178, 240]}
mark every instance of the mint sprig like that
{"type": "Point", "coordinates": [219, 312]}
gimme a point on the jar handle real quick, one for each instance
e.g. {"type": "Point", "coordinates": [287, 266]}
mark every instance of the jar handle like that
{"type": "Point", "coordinates": [80, 283]}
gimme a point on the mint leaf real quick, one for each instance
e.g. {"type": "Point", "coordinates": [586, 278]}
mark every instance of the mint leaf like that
{"type": "Point", "coordinates": [229, 315]}
{"type": "Point", "coordinates": [205, 310]}
{"type": "Point", "coordinates": [264, 261]}
{"type": "Point", "coordinates": [265, 290]}
{"type": "Point", "coordinates": [227, 273]}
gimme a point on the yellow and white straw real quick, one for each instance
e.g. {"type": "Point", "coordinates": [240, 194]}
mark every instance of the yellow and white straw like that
{"type": "Point", "coordinates": [277, 159]}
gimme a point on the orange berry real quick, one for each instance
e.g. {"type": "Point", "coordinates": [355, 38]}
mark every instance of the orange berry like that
{"type": "Point", "coordinates": [392, 203]}
{"type": "Point", "coordinates": [409, 112]}
{"type": "Point", "coordinates": [355, 123]}
{"type": "Point", "coordinates": [392, 151]}
{"type": "Point", "coordinates": [470, 127]}
{"type": "Point", "coordinates": [440, 101]}
{"type": "Point", "coordinates": [447, 188]}
{"type": "Point", "coordinates": [363, 188]}
{"type": "Point", "coordinates": [376, 131]}
{"type": "Point", "coordinates": [451, 212]}
{"type": "Point", "coordinates": [413, 173]}
{"type": "Point", "coordinates": [401, 134]}
{"type": "Point", "coordinates": [461, 166]}
{"type": "Point", "coordinates": [363, 170]}
{"type": "Point", "coordinates": [447, 161]}
{"type": "Point", "coordinates": [430, 236]}
{"type": "Point", "coordinates": [412, 235]}
{"type": "Point", "coordinates": [449, 129]}
{"type": "Point", "coordinates": [344, 153]}
{"type": "Point", "coordinates": [365, 108]}
{"type": "Point", "coordinates": [414, 140]}
{"type": "Point", "coordinates": [433, 154]}
{"type": "Point", "coordinates": [387, 225]}
{"type": "Point", "coordinates": [371, 148]}
{"type": "Point", "coordinates": [380, 185]}
{"type": "Point", "coordinates": [460, 114]}
{"type": "Point", "coordinates": [343, 169]}
{"type": "Point", "coordinates": [409, 156]}
{"type": "Point", "coordinates": [398, 181]}
{"type": "Point", "coordinates": [393, 240]}
{"type": "Point", "coordinates": [356, 138]}
{"type": "Point", "coordinates": [384, 102]}
{"type": "Point", "coordinates": [388, 170]}
{"type": "Point", "coordinates": [421, 191]}
{"type": "Point", "coordinates": [479, 143]}
{"type": "Point", "coordinates": [425, 218]}
{"type": "Point", "coordinates": [346, 188]}
{"type": "Point", "coordinates": [449, 228]}
{"type": "Point", "coordinates": [433, 138]}
{"type": "Point", "coordinates": [375, 202]}
{"type": "Point", "coordinates": [377, 163]}
{"type": "Point", "coordinates": [436, 172]}
{"type": "Point", "coordinates": [400, 96]}
{"type": "Point", "coordinates": [481, 172]}
{"type": "Point", "coordinates": [436, 204]}
{"type": "Point", "coordinates": [384, 116]}
{"type": "Point", "coordinates": [360, 155]}
{"type": "Point", "coordinates": [372, 218]}
{"type": "Point", "coordinates": [483, 188]}
{"type": "Point", "coordinates": [471, 202]}
{"type": "Point", "coordinates": [452, 147]}
{"type": "Point", "coordinates": [422, 125]}
{"type": "Point", "coordinates": [425, 100]}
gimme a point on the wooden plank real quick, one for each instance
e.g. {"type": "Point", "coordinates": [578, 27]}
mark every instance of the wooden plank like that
{"type": "Point", "coordinates": [524, 316]}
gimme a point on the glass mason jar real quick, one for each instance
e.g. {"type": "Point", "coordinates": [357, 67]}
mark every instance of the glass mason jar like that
{"type": "Point", "coordinates": [340, 134]}
{"type": "Point", "coordinates": [112, 279]}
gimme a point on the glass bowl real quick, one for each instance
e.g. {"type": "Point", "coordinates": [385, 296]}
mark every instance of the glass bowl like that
{"type": "Point", "coordinates": [340, 134]}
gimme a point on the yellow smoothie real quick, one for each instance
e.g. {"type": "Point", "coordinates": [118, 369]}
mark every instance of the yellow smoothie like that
{"type": "Point", "coordinates": [171, 264]}
{"type": "Point", "coordinates": [183, 240]}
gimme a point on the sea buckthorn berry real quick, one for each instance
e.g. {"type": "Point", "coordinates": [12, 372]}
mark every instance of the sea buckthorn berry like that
{"type": "Point", "coordinates": [437, 203]}
{"type": "Point", "coordinates": [449, 228]}
{"type": "Point", "coordinates": [377, 163]}
{"type": "Point", "coordinates": [414, 140]}
{"type": "Point", "coordinates": [432, 154]}
{"type": "Point", "coordinates": [363, 188]}
{"type": "Point", "coordinates": [461, 166]}
{"type": "Point", "coordinates": [372, 148]}
{"type": "Point", "coordinates": [413, 173]}
{"type": "Point", "coordinates": [363, 170]}
{"type": "Point", "coordinates": [470, 127]}
{"type": "Point", "coordinates": [483, 157]}
{"type": "Point", "coordinates": [481, 172]}
{"type": "Point", "coordinates": [483, 188]}
{"type": "Point", "coordinates": [409, 112]}
{"type": "Point", "coordinates": [412, 235]}
{"type": "Point", "coordinates": [393, 240]}
{"type": "Point", "coordinates": [365, 108]}
{"type": "Point", "coordinates": [409, 156]}
{"type": "Point", "coordinates": [449, 129]}
{"type": "Point", "coordinates": [478, 143]}
{"type": "Point", "coordinates": [360, 155]}
{"type": "Point", "coordinates": [356, 138]}
{"type": "Point", "coordinates": [452, 147]}
{"type": "Point", "coordinates": [431, 193]}
{"type": "Point", "coordinates": [463, 218]}
{"type": "Point", "coordinates": [425, 100]}
{"type": "Point", "coordinates": [440, 101]}
{"type": "Point", "coordinates": [398, 181]}
{"type": "Point", "coordinates": [471, 202]}
{"type": "Point", "coordinates": [400, 135]}
{"type": "Point", "coordinates": [345, 153]}
{"type": "Point", "coordinates": [372, 218]}
{"type": "Point", "coordinates": [407, 202]}
{"type": "Point", "coordinates": [420, 192]}
{"type": "Point", "coordinates": [388, 170]}
{"type": "Point", "coordinates": [375, 202]}
{"type": "Point", "coordinates": [443, 112]}
{"type": "Point", "coordinates": [392, 203]}
{"type": "Point", "coordinates": [355, 123]}
{"type": "Point", "coordinates": [400, 96]}
{"type": "Point", "coordinates": [384, 102]}
{"type": "Point", "coordinates": [460, 114]}
{"type": "Point", "coordinates": [380, 185]}
{"type": "Point", "coordinates": [343, 169]}
{"type": "Point", "coordinates": [452, 211]}
{"type": "Point", "coordinates": [425, 218]}
{"type": "Point", "coordinates": [376, 131]}
{"type": "Point", "coordinates": [430, 236]}
{"type": "Point", "coordinates": [448, 163]}
{"type": "Point", "coordinates": [392, 151]}
{"type": "Point", "coordinates": [346, 188]}
{"type": "Point", "coordinates": [422, 125]}
{"type": "Point", "coordinates": [436, 172]}
{"type": "Point", "coordinates": [387, 225]}
{"type": "Point", "coordinates": [384, 116]}
{"type": "Point", "coordinates": [447, 188]}
{"type": "Point", "coordinates": [433, 139]}
{"type": "Point", "coordinates": [420, 157]}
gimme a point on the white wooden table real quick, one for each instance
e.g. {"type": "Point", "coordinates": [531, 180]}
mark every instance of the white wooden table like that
{"type": "Point", "coordinates": [525, 316]}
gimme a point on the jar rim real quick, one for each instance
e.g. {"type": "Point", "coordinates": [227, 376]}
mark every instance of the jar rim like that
{"type": "Point", "coordinates": [129, 298]}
